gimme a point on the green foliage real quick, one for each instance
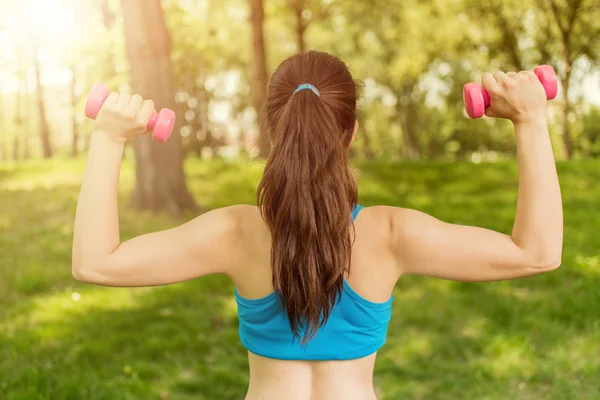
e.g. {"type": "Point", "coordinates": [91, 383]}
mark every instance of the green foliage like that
{"type": "Point", "coordinates": [414, 57]}
{"type": "Point", "coordinates": [533, 338]}
{"type": "Point", "coordinates": [589, 133]}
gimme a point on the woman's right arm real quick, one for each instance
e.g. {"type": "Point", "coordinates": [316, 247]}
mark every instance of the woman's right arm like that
{"type": "Point", "coordinates": [424, 245]}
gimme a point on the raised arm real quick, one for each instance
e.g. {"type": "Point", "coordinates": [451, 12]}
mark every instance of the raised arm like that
{"type": "Point", "coordinates": [426, 246]}
{"type": "Point", "coordinates": [206, 245]}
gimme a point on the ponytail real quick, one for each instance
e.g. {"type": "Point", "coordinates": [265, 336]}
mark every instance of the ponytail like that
{"type": "Point", "coordinates": [308, 192]}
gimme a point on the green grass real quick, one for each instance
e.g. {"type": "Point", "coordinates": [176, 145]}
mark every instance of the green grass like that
{"type": "Point", "coordinates": [534, 338]}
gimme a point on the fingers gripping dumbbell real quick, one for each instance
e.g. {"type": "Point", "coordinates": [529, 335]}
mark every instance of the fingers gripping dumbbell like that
{"type": "Point", "coordinates": [476, 99]}
{"type": "Point", "coordinates": [160, 124]}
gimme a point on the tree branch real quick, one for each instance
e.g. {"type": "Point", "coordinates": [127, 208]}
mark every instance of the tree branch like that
{"type": "Point", "coordinates": [510, 38]}
{"type": "Point", "coordinates": [325, 12]}
{"type": "Point", "coordinates": [590, 44]}
{"type": "Point", "coordinates": [576, 6]}
{"type": "Point", "coordinates": [556, 14]}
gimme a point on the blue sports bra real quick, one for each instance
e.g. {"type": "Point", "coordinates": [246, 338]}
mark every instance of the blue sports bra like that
{"type": "Point", "coordinates": [356, 327]}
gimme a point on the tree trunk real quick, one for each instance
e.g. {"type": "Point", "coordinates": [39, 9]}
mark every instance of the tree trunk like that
{"type": "Point", "coordinates": [510, 41]}
{"type": "Point", "coordinates": [74, 127]}
{"type": "Point", "coordinates": [407, 117]}
{"type": "Point", "coordinates": [567, 28]}
{"type": "Point", "coordinates": [566, 34]}
{"type": "Point", "coordinates": [160, 179]}
{"type": "Point", "coordinates": [27, 122]}
{"type": "Point", "coordinates": [25, 141]}
{"type": "Point", "coordinates": [367, 146]}
{"type": "Point", "coordinates": [44, 129]}
{"type": "Point", "coordinates": [411, 150]}
{"type": "Point", "coordinates": [566, 111]}
{"type": "Point", "coordinates": [259, 71]}
{"type": "Point", "coordinates": [300, 26]}
{"type": "Point", "coordinates": [242, 141]}
{"type": "Point", "coordinates": [18, 121]}
{"type": "Point", "coordinates": [15, 149]}
{"type": "Point", "coordinates": [364, 134]}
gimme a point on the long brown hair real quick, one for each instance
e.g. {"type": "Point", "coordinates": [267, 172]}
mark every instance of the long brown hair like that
{"type": "Point", "coordinates": [308, 189]}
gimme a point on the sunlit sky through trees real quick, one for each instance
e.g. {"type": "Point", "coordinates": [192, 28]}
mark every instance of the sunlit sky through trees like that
{"type": "Point", "coordinates": [83, 40]}
{"type": "Point", "coordinates": [53, 23]}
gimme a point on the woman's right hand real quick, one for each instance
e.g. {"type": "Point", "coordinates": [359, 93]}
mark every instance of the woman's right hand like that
{"type": "Point", "coordinates": [519, 97]}
{"type": "Point", "coordinates": [123, 117]}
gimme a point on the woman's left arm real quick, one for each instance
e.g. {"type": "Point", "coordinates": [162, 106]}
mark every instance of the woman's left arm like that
{"type": "Point", "coordinates": [208, 244]}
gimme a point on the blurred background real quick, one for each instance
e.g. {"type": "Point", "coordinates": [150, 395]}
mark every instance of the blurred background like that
{"type": "Point", "coordinates": [210, 61]}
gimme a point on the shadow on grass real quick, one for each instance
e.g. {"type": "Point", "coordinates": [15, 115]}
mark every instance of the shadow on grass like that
{"type": "Point", "coordinates": [528, 339]}
{"type": "Point", "coordinates": [37, 233]}
{"type": "Point", "coordinates": [177, 342]}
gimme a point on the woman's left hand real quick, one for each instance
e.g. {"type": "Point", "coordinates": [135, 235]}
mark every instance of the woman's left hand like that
{"type": "Point", "coordinates": [123, 117]}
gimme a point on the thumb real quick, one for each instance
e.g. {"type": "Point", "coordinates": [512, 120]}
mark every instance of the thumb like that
{"type": "Point", "coordinates": [490, 113]}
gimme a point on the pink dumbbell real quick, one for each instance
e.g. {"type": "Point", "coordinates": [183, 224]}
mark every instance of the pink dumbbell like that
{"type": "Point", "coordinates": [476, 99]}
{"type": "Point", "coordinates": [160, 124]}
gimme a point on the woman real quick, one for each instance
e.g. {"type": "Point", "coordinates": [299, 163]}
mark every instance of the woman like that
{"type": "Point", "coordinates": [313, 271]}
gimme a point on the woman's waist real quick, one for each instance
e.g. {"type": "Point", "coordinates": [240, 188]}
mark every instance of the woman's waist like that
{"type": "Point", "coordinates": [311, 380]}
{"type": "Point", "coordinates": [348, 391]}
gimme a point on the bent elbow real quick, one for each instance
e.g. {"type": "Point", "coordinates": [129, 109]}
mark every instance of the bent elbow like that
{"type": "Point", "coordinates": [76, 273]}
{"type": "Point", "coordinates": [555, 264]}
{"type": "Point", "coordinates": [80, 274]}
{"type": "Point", "coordinates": [76, 269]}
{"type": "Point", "coordinates": [87, 275]}
{"type": "Point", "coordinates": [546, 264]}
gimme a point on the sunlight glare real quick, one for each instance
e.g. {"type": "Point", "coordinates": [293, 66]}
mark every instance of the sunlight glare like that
{"type": "Point", "coordinates": [48, 17]}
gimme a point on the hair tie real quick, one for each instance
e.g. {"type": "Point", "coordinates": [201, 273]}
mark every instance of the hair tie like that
{"type": "Point", "coordinates": [308, 86]}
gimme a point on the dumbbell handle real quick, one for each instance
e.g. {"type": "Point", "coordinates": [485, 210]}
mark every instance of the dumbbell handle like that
{"type": "Point", "coordinates": [486, 98]}
{"type": "Point", "coordinates": [477, 99]}
{"type": "Point", "coordinates": [98, 96]}
{"type": "Point", "coordinates": [165, 119]}
{"type": "Point", "coordinates": [550, 87]}
{"type": "Point", "coordinates": [152, 121]}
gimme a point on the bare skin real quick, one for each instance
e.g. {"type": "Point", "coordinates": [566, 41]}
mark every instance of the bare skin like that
{"type": "Point", "coordinates": [390, 241]}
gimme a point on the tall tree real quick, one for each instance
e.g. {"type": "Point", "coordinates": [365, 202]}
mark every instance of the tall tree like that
{"type": "Point", "coordinates": [29, 123]}
{"type": "Point", "coordinates": [577, 23]}
{"type": "Point", "coordinates": [529, 32]}
{"type": "Point", "coordinates": [260, 75]}
{"type": "Point", "coordinates": [501, 31]}
{"type": "Point", "coordinates": [74, 112]}
{"type": "Point", "coordinates": [398, 58]}
{"type": "Point", "coordinates": [41, 105]}
{"type": "Point", "coordinates": [160, 179]}
{"type": "Point", "coordinates": [18, 121]}
{"type": "Point", "coordinates": [305, 13]}
{"type": "Point", "coordinates": [297, 7]}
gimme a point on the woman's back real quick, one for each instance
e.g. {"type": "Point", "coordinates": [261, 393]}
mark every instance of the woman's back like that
{"type": "Point", "coordinates": [372, 278]}
{"type": "Point", "coordinates": [300, 239]}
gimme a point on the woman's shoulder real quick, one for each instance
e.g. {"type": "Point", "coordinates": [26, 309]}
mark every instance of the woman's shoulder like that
{"type": "Point", "coordinates": [374, 221]}
{"type": "Point", "coordinates": [249, 216]}
{"type": "Point", "coordinates": [252, 227]}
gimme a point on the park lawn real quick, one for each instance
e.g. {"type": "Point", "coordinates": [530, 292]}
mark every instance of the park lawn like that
{"type": "Point", "coordinates": [535, 338]}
